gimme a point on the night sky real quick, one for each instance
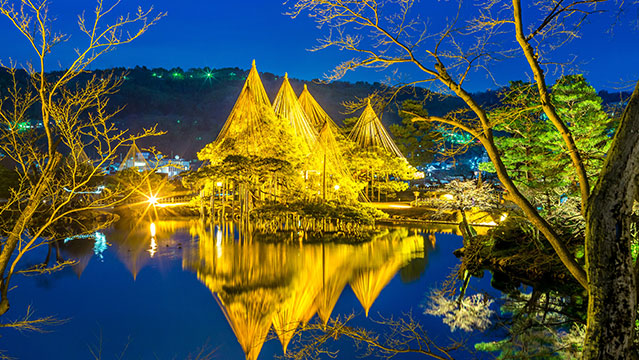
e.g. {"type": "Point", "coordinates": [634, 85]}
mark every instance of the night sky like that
{"type": "Point", "coordinates": [231, 33]}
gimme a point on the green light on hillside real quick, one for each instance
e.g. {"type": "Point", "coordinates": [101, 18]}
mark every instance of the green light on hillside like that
{"type": "Point", "coordinates": [457, 138]}
{"type": "Point", "coordinates": [23, 126]}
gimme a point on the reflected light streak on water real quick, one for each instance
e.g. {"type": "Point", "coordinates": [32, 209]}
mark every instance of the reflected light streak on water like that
{"type": "Point", "coordinates": [218, 241]}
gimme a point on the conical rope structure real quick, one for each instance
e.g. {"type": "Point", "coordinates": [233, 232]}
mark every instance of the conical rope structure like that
{"type": "Point", "coordinates": [369, 131]}
{"type": "Point", "coordinates": [328, 147]}
{"type": "Point", "coordinates": [316, 115]}
{"type": "Point", "coordinates": [327, 158]}
{"type": "Point", "coordinates": [134, 158]}
{"type": "Point", "coordinates": [261, 285]}
{"type": "Point", "coordinates": [392, 254]}
{"type": "Point", "coordinates": [250, 318]}
{"type": "Point", "coordinates": [287, 107]}
{"type": "Point", "coordinates": [247, 123]}
{"type": "Point", "coordinates": [299, 306]}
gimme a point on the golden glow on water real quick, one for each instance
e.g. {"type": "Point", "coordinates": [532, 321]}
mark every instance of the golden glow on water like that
{"type": "Point", "coordinates": [260, 284]}
{"type": "Point", "coordinates": [154, 247]}
{"type": "Point", "coordinates": [276, 284]}
{"type": "Point", "coordinates": [218, 242]}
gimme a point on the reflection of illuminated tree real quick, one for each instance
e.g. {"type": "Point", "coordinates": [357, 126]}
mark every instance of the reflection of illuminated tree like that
{"type": "Point", "coordinates": [135, 244]}
{"type": "Point", "coordinates": [540, 325]}
{"type": "Point", "coordinates": [250, 316]}
{"type": "Point", "coordinates": [368, 282]}
{"type": "Point", "coordinates": [284, 285]}
{"type": "Point", "coordinates": [467, 313]}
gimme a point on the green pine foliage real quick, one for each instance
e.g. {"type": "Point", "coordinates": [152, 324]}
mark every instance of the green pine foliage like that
{"type": "Point", "coordinates": [532, 148]}
{"type": "Point", "coordinates": [579, 106]}
{"type": "Point", "coordinates": [525, 139]}
{"type": "Point", "coordinates": [348, 124]}
{"type": "Point", "coordinates": [416, 140]}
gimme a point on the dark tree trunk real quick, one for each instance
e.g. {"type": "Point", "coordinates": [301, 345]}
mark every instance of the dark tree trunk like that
{"type": "Point", "coordinates": [612, 287]}
{"type": "Point", "coordinates": [13, 238]}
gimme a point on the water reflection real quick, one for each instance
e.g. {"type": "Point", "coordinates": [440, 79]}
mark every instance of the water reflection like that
{"type": "Point", "coordinates": [261, 284]}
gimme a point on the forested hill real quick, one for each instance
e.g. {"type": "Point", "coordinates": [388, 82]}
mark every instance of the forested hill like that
{"type": "Point", "coordinates": [191, 106]}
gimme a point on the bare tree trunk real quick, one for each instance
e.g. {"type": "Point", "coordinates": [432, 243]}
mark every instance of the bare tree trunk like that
{"type": "Point", "coordinates": [566, 257]}
{"type": "Point", "coordinates": [16, 232]}
{"type": "Point", "coordinates": [547, 106]}
{"type": "Point", "coordinates": [612, 290]}
{"type": "Point", "coordinates": [487, 140]}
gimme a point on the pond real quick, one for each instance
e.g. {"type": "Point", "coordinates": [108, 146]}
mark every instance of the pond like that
{"type": "Point", "coordinates": [166, 290]}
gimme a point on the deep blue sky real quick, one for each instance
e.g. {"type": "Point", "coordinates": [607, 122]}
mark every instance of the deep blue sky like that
{"type": "Point", "coordinates": [220, 34]}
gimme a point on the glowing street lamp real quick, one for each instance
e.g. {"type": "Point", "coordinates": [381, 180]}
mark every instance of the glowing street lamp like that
{"type": "Point", "coordinates": [336, 187]}
{"type": "Point", "coordinates": [153, 200]}
{"type": "Point", "coordinates": [218, 184]}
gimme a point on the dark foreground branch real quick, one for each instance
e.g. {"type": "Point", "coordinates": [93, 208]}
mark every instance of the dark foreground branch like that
{"type": "Point", "coordinates": [399, 336]}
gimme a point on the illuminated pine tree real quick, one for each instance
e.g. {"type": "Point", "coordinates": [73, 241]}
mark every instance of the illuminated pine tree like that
{"type": "Point", "coordinates": [253, 129]}
{"type": "Point", "coordinates": [581, 109]}
{"type": "Point", "coordinates": [534, 152]}
{"type": "Point", "coordinates": [526, 141]}
{"type": "Point", "coordinates": [415, 139]}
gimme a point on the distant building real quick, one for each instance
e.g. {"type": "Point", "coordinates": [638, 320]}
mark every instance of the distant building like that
{"type": "Point", "coordinates": [145, 161]}
{"type": "Point", "coordinates": [136, 159]}
{"type": "Point", "coordinates": [172, 167]}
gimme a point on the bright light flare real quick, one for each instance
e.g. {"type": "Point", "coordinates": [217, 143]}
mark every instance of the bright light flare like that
{"type": "Point", "coordinates": [152, 229]}
{"type": "Point", "coordinates": [153, 200]}
{"type": "Point", "coordinates": [336, 187]}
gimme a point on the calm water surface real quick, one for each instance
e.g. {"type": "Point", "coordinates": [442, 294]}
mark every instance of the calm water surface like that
{"type": "Point", "coordinates": [165, 290]}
